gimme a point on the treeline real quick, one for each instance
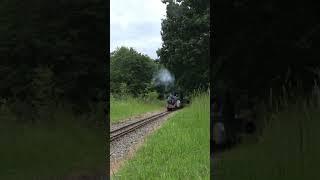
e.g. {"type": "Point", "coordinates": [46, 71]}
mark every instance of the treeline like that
{"type": "Point", "coordinates": [265, 48]}
{"type": "Point", "coordinates": [184, 52]}
{"type": "Point", "coordinates": [52, 52]}
{"type": "Point", "coordinates": [134, 74]}
{"type": "Point", "coordinates": [131, 72]}
{"type": "Point", "coordinates": [185, 48]}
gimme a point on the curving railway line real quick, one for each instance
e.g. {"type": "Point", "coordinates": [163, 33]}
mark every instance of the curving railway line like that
{"type": "Point", "coordinates": [119, 132]}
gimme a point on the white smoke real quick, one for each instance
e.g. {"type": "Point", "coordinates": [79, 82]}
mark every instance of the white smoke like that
{"type": "Point", "coordinates": [163, 77]}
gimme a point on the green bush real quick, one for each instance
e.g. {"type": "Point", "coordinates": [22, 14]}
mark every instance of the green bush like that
{"type": "Point", "coordinates": [151, 96]}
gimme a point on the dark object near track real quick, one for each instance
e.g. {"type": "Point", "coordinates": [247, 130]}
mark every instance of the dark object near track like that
{"type": "Point", "coordinates": [117, 133]}
{"type": "Point", "coordinates": [224, 141]}
{"type": "Point", "coordinates": [176, 101]}
{"type": "Point", "coordinates": [227, 128]}
{"type": "Point", "coordinates": [250, 127]}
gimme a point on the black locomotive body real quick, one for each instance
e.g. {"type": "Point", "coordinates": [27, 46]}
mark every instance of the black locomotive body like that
{"type": "Point", "coordinates": [176, 101]}
{"type": "Point", "coordinates": [173, 102]}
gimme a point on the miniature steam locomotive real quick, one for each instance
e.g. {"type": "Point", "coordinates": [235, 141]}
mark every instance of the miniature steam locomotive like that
{"type": "Point", "coordinates": [175, 101]}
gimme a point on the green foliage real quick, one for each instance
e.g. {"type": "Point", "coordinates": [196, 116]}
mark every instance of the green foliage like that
{"type": "Point", "coordinates": [151, 96]}
{"type": "Point", "coordinates": [185, 49]}
{"type": "Point", "coordinates": [286, 148]}
{"type": "Point", "coordinates": [51, 150]}
{"type": "Point", "coordinates": [131, 72]}
{"type": "Point", "coordinates": [47, 148]}
{"type": "Point", "coordinates": [52, 40]}
{"type": "Point", "coordinates": [251, 53]}
{"type": "Point", "coordinates": [52, 62]}
{"type": "Point", "coordinates": [178, 150]}
{"type": "Point", "coordinates": [123, 89]}
{"type": "Point", "coordinates": [126, 106]}
{"type": "Point", "coordinates": [5, 111]}
{"type": "Point", "coordinates": [42, 83]}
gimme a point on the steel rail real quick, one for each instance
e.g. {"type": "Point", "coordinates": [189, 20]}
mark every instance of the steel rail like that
{"type": "Point", "coordinates": [119, 132]}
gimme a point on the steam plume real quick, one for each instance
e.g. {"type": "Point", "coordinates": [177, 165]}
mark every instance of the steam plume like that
{"type": "Point", "coordinates": [164, 77]}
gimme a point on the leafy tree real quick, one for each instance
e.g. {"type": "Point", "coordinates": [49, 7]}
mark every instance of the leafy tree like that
{"type": "Point", "coordinates": [131, 68]}
{"type": "Point", "coordinates": [259, 45]}
{"type": "Point", "coordinates": [67, 36]}
{"type": "Point", "coordinates": [42, 85]}
{"type": "Point", "coordinates": [185, 49]}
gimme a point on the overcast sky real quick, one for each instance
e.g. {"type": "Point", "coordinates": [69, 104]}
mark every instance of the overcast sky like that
{"type": "Point", "coordinates": [137, 24]}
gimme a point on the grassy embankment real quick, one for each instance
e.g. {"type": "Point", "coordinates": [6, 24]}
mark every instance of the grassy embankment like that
{"type": "Point", "coordinates": [289, 148]}
{"type": "Point", "coordinates": [179, 150]}
{"type": "Point", "coordinates": [127, 107]}
{"type": "Point", "coordinates": [59, 147]}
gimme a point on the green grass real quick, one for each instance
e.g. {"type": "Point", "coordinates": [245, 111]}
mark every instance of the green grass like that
{"type": "Point", "coordinates": [47, 150]}
{"type": "Point", "coordinates": [178, 150]}
{"type": "Point", "coordinates": [289, 149]}
{"type": "Point", "coordinates": [124, 108]}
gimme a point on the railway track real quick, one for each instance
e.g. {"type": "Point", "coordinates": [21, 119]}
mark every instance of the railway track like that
{"type": "Point", "coordinates": [117, 133]}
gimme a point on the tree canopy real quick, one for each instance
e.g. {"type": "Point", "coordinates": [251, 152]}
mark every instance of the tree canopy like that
{"type": "Point", "coordinates": [130, 71]}
{"type": "Point", "coordinates": [185, 48]}
{"type": "Point", "coordinates": [53, 49]}
{"type": "Point", "coordinates": [263, 45]}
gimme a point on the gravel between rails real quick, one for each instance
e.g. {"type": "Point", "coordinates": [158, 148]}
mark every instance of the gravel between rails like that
{"type": "Point", "coordinates": [124, 147]}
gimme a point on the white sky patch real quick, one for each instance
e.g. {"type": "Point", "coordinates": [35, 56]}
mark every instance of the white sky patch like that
{"type": "Point", "coordinates": [136, 24]}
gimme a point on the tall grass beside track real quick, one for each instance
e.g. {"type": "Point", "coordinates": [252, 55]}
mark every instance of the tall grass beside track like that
{"type": "Point", "coordinates": [288, 150]}
{"type": "Point", "coordinates": [126, 107]}
{"type": "Point", "coordinates": [178, 150]}
{"type": "Point", "coordinates": [52, 149]}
